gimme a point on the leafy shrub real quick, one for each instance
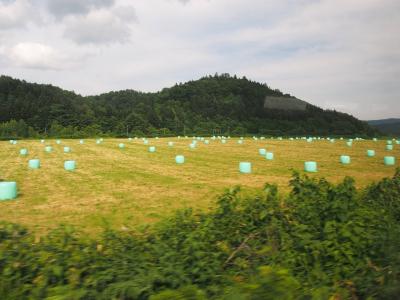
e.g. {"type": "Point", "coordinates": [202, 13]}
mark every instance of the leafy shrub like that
{"type": "Point", "coordinates": [321, 241]}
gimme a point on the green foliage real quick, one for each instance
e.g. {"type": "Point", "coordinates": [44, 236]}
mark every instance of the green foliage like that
{"type": "Point", "coordinates": [385, 196]}
{"type": "Point", "coordinates": [219, 104]}
{"type": "Point", "coordinates": [183, 293]}
{"type": "Point", "coordinates": [322, 241]}
{"type": "Point", "coordinates": [14, 129]}
{"type": "Point", "coordinates": [269, 283]}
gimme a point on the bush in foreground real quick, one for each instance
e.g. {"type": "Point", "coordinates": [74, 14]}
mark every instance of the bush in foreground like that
{"type": "Point", "coordinates": [321, 241]}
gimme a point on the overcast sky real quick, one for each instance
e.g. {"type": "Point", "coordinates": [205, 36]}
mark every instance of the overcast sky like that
{"type": "Point", "coordinates": [341, 54]}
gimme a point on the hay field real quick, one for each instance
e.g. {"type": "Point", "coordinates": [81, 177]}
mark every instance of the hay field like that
{"type": "Point", "coordinates": [131, 187]}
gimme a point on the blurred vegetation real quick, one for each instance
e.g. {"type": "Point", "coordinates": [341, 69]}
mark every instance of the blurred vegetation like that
{"type": "Point", "coordinates": [213, 105]}
{"type": "Point", "coordinates": [390, 127]}
{"type": "Point", "coordinates": [321, 241]}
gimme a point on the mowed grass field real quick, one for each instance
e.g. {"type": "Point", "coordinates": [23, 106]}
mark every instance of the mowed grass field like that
{"type": "Point", "coordinates": [131, 187]}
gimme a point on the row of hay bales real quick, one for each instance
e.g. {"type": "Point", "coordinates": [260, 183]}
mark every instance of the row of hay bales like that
{"type": "Point", "coordinates": [309, 166]}
{"type": "Point", "coordinates": [8, 190]}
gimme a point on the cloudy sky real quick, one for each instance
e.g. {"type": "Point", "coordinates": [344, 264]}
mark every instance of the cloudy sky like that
{"type": "Point", "coordinates": [342, 54]}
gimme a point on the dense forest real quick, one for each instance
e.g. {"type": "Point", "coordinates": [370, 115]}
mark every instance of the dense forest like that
{"type": "Point", "coordinates": [219, 104]}
{"type": "Point", "coordinates": [321, 241]}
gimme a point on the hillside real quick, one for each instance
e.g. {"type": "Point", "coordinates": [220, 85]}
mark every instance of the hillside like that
{"type": "Point", "coordinates": [220, 104]}
{"type": "Point", "coordinates": [387, 126]}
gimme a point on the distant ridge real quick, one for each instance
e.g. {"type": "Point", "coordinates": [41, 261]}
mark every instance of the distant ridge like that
{"type": "Point", "coordinates": [212, 105]}
{"type": "Point", "coordinates": [389, 126]}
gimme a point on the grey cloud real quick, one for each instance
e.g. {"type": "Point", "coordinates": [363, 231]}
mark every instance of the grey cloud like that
{"type": "Point", "coordinates": [101, 26]}
{"type": "Point", "coordinates": [126, 13]}
{"type": "Point", "coordinates": [62, 8]}
{"type": "Point", "coordinates": [14, 14]}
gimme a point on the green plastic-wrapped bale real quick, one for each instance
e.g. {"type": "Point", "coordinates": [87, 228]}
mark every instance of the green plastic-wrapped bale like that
{"type": "Point", "coordinates": [389, 160]}
{"type": "Point", "coordinates": [23, 152]}
{"type": "Point", "coordinates": [179, 159]}
{"type": "Point", "coordinates": [152, 149]}
{"type": "Point", "coordinates": [121, 145]}
{"type": "Point", "coordinates": [269, 155]}
{"type": "Point", "coordinates": [262, 151]}
{"type": "Point", "coordinates": [310, 166]}
{"type": "Point", "coordinates": [245, 167]}
{"type": "Point", "coordinates": [67, 149]}
{"type": "Point", "coordinates": [69, 165]}
{"type": "Point", "coordinates": [370, 153]}
{"type": "Point", "coordinates": [48, 149]}
{"type": "Point", "coordinates": [345, 159]}
{"type": "Point", "coordinates": [34, 164]}
{"type": "Point", "coordinates": [8, 190]}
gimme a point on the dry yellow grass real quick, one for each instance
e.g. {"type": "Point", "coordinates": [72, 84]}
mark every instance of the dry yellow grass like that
{"type": "Point", "coordinates": [130, 187]}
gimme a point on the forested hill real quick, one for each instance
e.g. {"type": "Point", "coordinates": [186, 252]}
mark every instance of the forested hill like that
{"type": "Point", "coordinates": [219, 104]}
{"type": "Point", "coordinates": [387, 126]}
